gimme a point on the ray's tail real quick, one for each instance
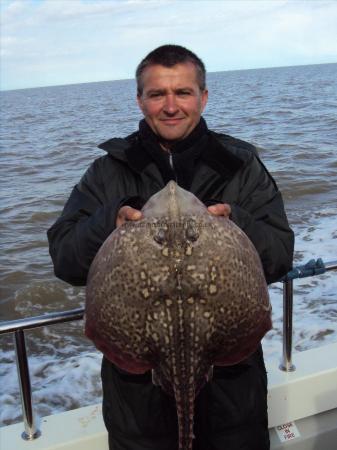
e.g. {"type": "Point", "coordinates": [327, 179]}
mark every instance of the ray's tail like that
{"type": "Point", "coordinates": [183, 368]}
{"type": "Point", "coordinates": [184, 396]}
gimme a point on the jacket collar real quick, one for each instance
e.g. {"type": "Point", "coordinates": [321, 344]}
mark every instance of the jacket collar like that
{"type": "Point", "coordinates": [223, 153]}
{"type": "Point", "coordinates": [116, 147]}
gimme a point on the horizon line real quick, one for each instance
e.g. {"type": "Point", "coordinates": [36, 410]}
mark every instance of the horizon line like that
{"type": "Point", "coordinates": [128, 79]}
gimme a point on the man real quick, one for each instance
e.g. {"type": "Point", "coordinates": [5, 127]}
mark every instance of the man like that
{"type": "Point", "coordinates": [173, 142]}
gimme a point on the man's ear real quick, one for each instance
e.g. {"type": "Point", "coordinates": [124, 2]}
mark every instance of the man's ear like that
{"type": "Point", "coordinates": [204, 99]}
{"type": "Point", "coordinates": [140, 103]}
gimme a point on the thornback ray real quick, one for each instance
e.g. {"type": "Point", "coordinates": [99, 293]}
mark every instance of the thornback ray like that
{"type": "Point", "coordinates": [177, 292]}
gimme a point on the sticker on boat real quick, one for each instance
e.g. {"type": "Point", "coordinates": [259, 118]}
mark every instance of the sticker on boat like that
{"type": "Point", "coordinates": [287, 431]}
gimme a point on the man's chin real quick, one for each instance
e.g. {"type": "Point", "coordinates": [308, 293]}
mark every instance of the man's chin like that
{"type": "Point", "coordinates": [172, 135]}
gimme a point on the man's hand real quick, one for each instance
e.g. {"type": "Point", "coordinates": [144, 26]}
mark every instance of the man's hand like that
{"type": "Point", "coordinates": [220, 209]}
{"type": "Point", "coordinates": [127, 213]}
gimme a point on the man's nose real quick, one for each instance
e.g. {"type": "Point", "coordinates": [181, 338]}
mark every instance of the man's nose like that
{"type": "Point", "coordinates": [170, 106]}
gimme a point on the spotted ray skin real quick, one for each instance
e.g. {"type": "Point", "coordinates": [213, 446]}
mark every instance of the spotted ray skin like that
{"type": "Point", "coordinates": [177, 292]}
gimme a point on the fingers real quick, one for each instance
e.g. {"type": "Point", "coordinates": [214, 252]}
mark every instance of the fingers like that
{"type": "Point", "coordinates": [220, 209]}
{"type": "Point", "coordinates": [127, 213]}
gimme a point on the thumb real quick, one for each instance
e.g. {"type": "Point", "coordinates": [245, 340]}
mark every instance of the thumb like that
{"type": "Point", "coordinates": [136, 214]}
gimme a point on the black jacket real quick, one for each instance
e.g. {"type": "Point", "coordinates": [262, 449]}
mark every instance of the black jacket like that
{"type": "Point", "coordinates": [225, 170]}
{"type": "Point", "coordinates": [231, 411]}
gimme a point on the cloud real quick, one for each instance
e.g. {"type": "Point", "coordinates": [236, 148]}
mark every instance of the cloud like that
{"type": "Point", "coordinates": [52, 41]}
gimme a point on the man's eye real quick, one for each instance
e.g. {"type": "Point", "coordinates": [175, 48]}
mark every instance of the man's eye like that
{"type": "Point", "coordinates": [184, 93]}
{"type": "Point", "coordinates": [155, 95]}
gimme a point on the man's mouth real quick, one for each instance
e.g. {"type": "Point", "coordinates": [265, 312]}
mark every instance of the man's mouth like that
{"type": "Point", "coordinates": [172, 121]}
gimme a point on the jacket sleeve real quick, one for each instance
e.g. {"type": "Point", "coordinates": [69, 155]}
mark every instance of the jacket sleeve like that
{"type": "Point", "coordinates": [86, 221]}
{"type": "Point", "coordinates": [259, 212]}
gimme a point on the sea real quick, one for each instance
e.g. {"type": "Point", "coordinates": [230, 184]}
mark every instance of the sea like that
{"type": "Point", "coordinates": [49, 137]}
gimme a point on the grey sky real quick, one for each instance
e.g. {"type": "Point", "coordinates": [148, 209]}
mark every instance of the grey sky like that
{"type": "Point", "coordinates": [51, 42]}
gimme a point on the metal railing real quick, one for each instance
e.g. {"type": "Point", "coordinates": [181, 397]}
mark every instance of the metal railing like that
{"type": "Point", "coordinates": [19, 326]}
{"type": "Point", "coordinates": [309, 269]}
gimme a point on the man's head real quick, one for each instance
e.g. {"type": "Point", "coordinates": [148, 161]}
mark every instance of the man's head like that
{"type": "Point", "coordinates": [171, 91]}
{"type": "Point", "coordinates": [169, 56]}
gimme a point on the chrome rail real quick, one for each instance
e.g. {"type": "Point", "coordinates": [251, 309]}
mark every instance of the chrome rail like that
{"type": "Point", "coordinates": [19, 326]}
{"type": "Point", "coordinates": [31, 430]}
{"type": "Point", "coordinates": [287, 344]}
{"type": "Point", "coordinates": [40, 321]}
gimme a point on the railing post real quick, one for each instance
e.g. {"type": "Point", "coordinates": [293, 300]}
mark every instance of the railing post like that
{"type": "Point", "coordinates": [31, 432]}
{"type": "Point", "coordinates": [286, 363]}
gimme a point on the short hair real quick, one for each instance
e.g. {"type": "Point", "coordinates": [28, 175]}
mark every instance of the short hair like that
{"type": "Point", "coordinates": [168, 56]}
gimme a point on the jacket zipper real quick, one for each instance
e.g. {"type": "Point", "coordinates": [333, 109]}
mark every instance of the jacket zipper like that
{"type": "Point", "coordinates": [171, 160]}
{"type": "Point", "coordinates": [172, 166]}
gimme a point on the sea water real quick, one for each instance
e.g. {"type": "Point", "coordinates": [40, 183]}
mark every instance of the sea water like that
{"type": "Point", "coordinates": [49, 136]}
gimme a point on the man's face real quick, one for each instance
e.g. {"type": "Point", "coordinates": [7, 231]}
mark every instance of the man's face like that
{"type": "Point", "coordinates": [172, 101]}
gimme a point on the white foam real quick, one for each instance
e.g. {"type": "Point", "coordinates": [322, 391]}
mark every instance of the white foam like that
{"type": "Point", "coordinates": [58, 384]}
